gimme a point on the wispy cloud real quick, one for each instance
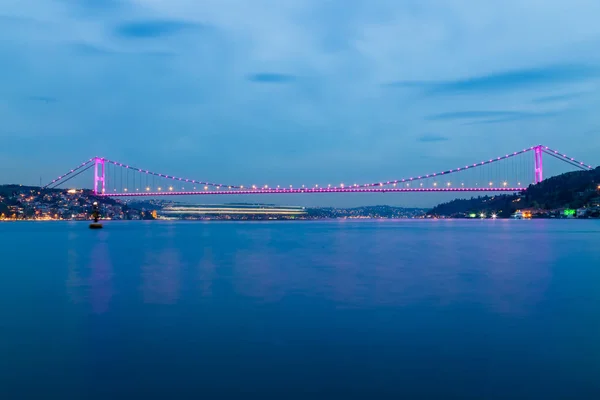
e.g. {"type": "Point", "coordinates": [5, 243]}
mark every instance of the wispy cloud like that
{"type": "Point", "coordinates": [473, 115]}
{"type": "Point", "coordinates": [432, 138]}
{"type": "Point", "coordinates": [490, 117]}
{"type": "Point", "coordinates": [559, 97]}
{"type": "Point", "coordinates": [522, 116]}
{"type": "Point", "coordinates": [86, 49]}
{"type": "Point", "coordinates": [271, 78]}
{"type": "Point", "coordinates": [507, 81]}
{"type": "Point", "coordinates": [153, 29]}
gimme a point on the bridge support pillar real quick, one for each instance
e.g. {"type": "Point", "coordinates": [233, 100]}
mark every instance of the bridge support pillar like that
{"type": "Point", "coordinates": [538, 164]}
{"type": "Point", "coordinates": [99, 175]}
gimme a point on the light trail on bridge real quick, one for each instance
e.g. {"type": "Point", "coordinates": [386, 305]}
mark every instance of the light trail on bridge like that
{"type": "Point", "coordinates": [310, 190]}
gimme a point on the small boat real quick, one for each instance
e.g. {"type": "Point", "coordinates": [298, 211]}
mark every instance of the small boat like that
{"type": "Point", "coordinates": [95, 225]}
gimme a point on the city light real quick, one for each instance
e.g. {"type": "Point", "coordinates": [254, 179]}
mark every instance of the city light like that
{"type": "Point", "coordinates": [494, 216]}
{"type": "Point", "coordinates": [482, 215]}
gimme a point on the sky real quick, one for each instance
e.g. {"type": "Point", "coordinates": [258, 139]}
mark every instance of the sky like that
{"type": "Point", "coordinates": [294, 91]}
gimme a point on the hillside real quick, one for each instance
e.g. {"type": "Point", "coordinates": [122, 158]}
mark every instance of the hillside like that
{"type": "Point", "coordinates": [570, 190]}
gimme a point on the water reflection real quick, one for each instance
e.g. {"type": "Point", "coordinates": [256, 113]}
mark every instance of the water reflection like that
{"type": "Point", "coordinates": [101, 274]}
{"type": "Point", "coordinates": [74, 279]}
{"type": "Point", "coordinates": [161, 276]}
{"type": "Point", "coordinates": [397, 264]}
{"type": "Point", "coordinates": [206, 272]}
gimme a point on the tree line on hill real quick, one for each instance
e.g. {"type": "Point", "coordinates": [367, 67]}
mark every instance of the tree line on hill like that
{"type": "Point", "coordinates": [571, 190]}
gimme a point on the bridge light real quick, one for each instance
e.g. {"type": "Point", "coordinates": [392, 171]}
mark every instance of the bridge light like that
{"type": "Point", "coordinates": [159, 189]}
{"type": "Point", "coordinates": [147, 189]}
{"type": "Point", "coordinates": [253, 186]}
{"type": "Point", "coordinates": [434, 183]}
{"type": "Point", "coordinates": [125, 189]}
{"type": "Point", "coordinates": [241, 187]}
{"type": "Point", "coordinates": [394, 185]}
{"type": "Point", "coordinates": [505, 183]}
{"type": "Point", "coordinates": [490, 183]}
{"type": "Point", "coordinates": [462, 184]}
{"type": "Point", "coordinates": [341, 185]}
{"type": "Point", "coordinates": [448, 183]}
{"type": "Point", "coordinates": [170, 187]}
{"type": "Point", "coordinates": [266, 187]}
{"type": "Point", "coordinates": [205, 187]}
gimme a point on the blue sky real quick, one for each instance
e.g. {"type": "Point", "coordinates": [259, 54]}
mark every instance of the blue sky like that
{"type": "Point", "coordinates": [294, 91]}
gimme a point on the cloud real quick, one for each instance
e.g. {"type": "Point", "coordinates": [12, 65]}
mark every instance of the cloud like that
{"type": "Point", "coordinates": [432, 138]}
{"type": "Point", "coordinates": [271, 78]}
{"type": "Point", "coordinates": [86, 49]}
{"type": "Point", "coordinates": [519, 117]}
{"type": "Point", "coordinates": [473, 115]}
{"type": "Point", "coordinates": [491, 117]}
{"type": "Point", "coordinates": [558, 98]}
{"type": "Point", "coordinates": [152, 29]}
{"type": "Point", "coordinates": [507, 81]}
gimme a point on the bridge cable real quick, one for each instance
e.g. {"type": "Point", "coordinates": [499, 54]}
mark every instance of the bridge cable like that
{"type": "Point", "coordinates": [56, 184]}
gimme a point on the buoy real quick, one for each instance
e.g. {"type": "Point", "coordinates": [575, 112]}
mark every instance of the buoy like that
{"type": "Point", "coordinates": [96, 216]}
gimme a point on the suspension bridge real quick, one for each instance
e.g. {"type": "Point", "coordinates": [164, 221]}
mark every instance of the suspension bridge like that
{"type": "Point", "coordinates": [512, 172]}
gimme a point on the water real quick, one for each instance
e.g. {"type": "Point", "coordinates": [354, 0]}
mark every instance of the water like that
{"type": "Point", "coordinates": [420, 309]}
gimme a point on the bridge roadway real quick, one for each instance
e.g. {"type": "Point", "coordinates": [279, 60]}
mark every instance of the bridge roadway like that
{"type": "Point", "coordinates": [310, 190]}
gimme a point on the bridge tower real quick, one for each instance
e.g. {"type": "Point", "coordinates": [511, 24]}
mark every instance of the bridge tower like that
{"type": "Point", "coordinates": [99, 175]}
{"type": "Point", "coordinates": [538, 164]}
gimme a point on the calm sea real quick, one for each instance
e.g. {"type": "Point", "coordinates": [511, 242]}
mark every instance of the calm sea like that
{"type": "Point", "coordinates": [309, 310]}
